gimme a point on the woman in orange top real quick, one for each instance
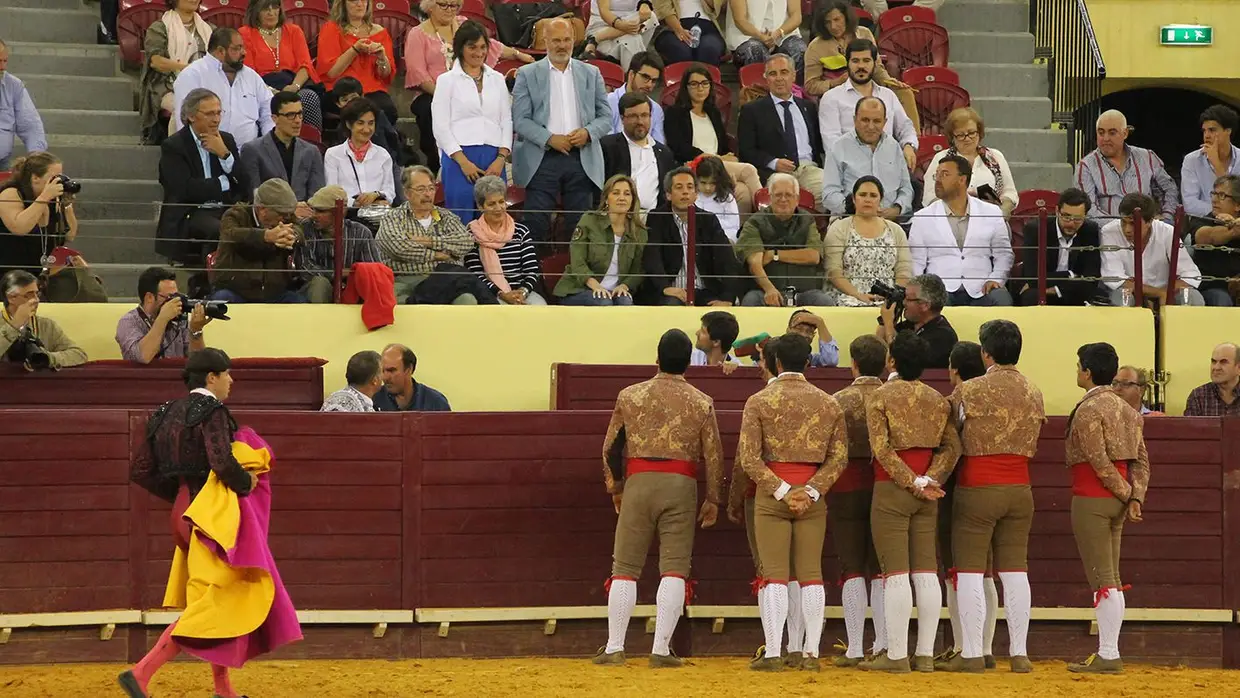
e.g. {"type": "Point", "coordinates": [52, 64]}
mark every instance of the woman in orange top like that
{"type": "Point", "coordinates": [277, 50]}
{"type": "Point", "coordinates": [352, 45]}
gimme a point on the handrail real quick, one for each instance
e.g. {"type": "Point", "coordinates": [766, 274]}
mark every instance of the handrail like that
{"type": "Point", "coordinates": [1064, 37]}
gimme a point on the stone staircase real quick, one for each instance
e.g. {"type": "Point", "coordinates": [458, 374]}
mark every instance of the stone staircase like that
{"type": "Point", "coordinates": [992, 50]}
{"type": "Point", "coordinates": [87, 105]}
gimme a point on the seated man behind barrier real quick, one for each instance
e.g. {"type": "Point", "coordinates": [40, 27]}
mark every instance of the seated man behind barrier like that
{"type": "Point", "coordinates": [1132, 384]}
{"type": "Point", "coordinates": [666, 257]}
{"type": "Point", "coordinates": [1115, 169]}
{"type": "Point", "coordinates": [418, 239]}
{"type": "Point", "coordinates": [160, 327]}
{"type": "Point", "coordinates": [255, 248]}
{"type": "Point", "coordinates": [636, 153]}
{"type": "Point", "coordinates": [807, 324]}
{"type": "Point", "coordinates": [867, 150]}
{"type": "Point", "coordinates": [364, 376]}
{"type": "Point", "coordinates": [315, 255]}
{"type": "Point", "coordinates": [1160, 242]}
{"type": "Point", "coordinates": [25, 338]}
{"type": "Point", "coordinates": [281, 154]}
{"type": "Point", "coordinates": [787, 232]}
{"type": "Point", "coordinates": [1066, 233]}
{"type": "Point", "coordinates": [1217, 154]}
{"type": "Point", "coordinates": [198, 169]}
{"type": "Point", "coordinates": [923, 315]}
{"type": "Point", "coordinates": [712, 345]}
{"type": "Point", "coordinates": [778, 134]}
{"type": "Point", "coordinates": [401, 393]}
{"type": "Point", "coordinates": [1220, 230]}
{"type": "Point", "coordinates": [1221, 396]}
{"type": "Point", "coordinates": [962, 240]}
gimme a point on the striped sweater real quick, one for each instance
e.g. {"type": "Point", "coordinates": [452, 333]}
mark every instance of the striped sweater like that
{"type": "Point", "coordinates": [518, 259]}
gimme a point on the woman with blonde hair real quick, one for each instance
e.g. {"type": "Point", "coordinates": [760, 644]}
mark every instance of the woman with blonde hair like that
{"type": "Point", "coordinates": [179, 38]}
{"type": "Point", "coordinates": [864, 248]}
{"type": "Point", "coordinates": [352, 45]}
{"type": "Point", "coordinates": [36, 215]}
{"type": "Point", "coordinates": [605, 254]}
{"type": "Point", "coordinates": [965, 132]}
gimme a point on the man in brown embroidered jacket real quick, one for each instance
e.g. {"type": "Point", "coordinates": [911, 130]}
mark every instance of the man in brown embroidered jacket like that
{"type": "Point", "coordinates": [667, 427]}
{"type": "Point", "coordinates": [1105, 449]}
{"type": "Point", "coordinates": [1001, 415]}
{"type": "Point", "coordinates": [848, 504]}
{"type": "Point", "coordinates": [793, 445]}
{"type": "Point", "coordinates": [915, 447]}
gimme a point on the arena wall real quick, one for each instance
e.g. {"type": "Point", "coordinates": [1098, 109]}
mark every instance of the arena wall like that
{"type": "Point", "coordinates": [506, 510]}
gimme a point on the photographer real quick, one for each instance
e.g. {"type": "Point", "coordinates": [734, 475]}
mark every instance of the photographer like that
{"type": "Point", "coordinates": [922, 309]}
{"type": "Point", "coordinates": [36, 213]}
{"type": "Point", "coordinates": [32, 341]}
{"type": "Point", "coordinates": [159, 327]}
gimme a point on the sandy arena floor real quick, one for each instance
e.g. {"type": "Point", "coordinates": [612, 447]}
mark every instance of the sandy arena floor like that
{"type": "Point", "coordinates": [564, 677]}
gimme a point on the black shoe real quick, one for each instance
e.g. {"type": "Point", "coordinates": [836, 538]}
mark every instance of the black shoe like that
{"type": "Point", "coordinates": [103, 36]}
{"type": "Point", "coordinates": [129, 684]}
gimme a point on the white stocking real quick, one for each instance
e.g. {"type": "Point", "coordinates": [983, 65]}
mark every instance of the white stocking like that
{"type": "Point", "coordinates": [1017, 602]}
{"type": "Point", "coordinates": [854, 616]}
{"type": "Point", "coordinates": [898, 601]}
{"type": "Point", "coordinates": [879, 614]}
{"type": "Point", "coordinates": [796, 621]}
{"type": "Point", "coordinates": [971, 602]}
{"type": "Point", "coordinates": [813, 601]}
{"type": "Point", "coordinates": [620, 602]}
{"type": "Point", "coordinates": [670, 605]}
{"type": "Point", "coordinates": [774, 615]}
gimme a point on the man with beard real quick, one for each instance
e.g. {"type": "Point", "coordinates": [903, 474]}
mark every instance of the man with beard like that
{"type": "Point", "coordinates": [1073, 262]}
{"type": "Point", "coordinates": [645, 72]}
{"type": "Point", "coordinates": [835, 111]}
{"type": "Point", "coordinates": [636, 153]}
{"type": "Point", "coordinates": [241, 90]}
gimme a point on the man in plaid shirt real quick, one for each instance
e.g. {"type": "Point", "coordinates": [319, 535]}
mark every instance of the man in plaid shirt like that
{"type": "Point", "coordinates": [1221, 396]}
{"type": "Point", "coordinates": [418, 238]}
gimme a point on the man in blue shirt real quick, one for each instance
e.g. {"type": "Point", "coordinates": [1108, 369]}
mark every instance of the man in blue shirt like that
{"type": "Point", "coordinates": [645, 73]}
{"type": "Point", "coordinates": [868, 150]}
{"type": "Point", "coordinates": [401, 393]}
{"type": "Point", "coordinates": [18, 116]}
{"type": "Point", "coordinates": [807, 324]}
{"type": "Point", "coordinates": [1215, 158]}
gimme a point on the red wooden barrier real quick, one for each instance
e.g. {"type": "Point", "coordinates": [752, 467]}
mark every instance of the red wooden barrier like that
{"type": "Point", "coordinates": [261, 384]}
{"type": "Point", "coordinates": [595, 386]}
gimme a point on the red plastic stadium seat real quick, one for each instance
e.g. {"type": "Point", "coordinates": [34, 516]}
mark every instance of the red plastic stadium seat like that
{"type": "Point", "coordinates": [132, 21]}
{"type": "Point", "coordinates": [398, 6]}
{"type": "Point", "coordinates": [674, 72]}
{"type": "Point", "coordinates": [310, 15]}
{"type": "Point", "coordinates": [613, 74]}
{"type": "Point", "coordinates": [913, 44]}
{"type": "Point", "coordinates": [895, 17]}
{"type": "Point", "coordinates": [762, 199]}
{"type": "Point", "coordinates": [516, 201]}
{"type": "Point", "coordinates": [928, 146]}
{"type": "Point", "coordinates": [4, 176]}
{"type": "Point", "coordinates": [310, 134]}
{"type": "Point", "coordinates": [1029, 207]}
{"type": "Point", "coordinates": [753, 74]}
{"type": "Point", "coordinates": [924, 75]}
{"type": "Point", "coordinates": [477, 11]}
{"type": "Point", "coordinates": [935, 101]}
{"type": "Point", "coordinates": [553, 267]}
{"type": "Point", "coordinates": [393, 15]}
{"type": "Point", "coordinates": [223, 13]}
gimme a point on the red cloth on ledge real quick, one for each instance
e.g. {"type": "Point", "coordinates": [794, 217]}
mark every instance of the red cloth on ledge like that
{"type": "Point", "coordinates": [373, 285]}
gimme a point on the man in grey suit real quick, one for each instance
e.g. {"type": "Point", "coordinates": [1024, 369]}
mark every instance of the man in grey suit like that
{"type": "Point", "coordinates": [559, 112]}
{"type": "Point", "coordinates": [282, 155]}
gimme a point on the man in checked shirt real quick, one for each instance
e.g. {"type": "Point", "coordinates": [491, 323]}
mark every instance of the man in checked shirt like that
{"type": "Point", "coordinates": [1116, 169]}
{"type": "Point", "coordinates": [418, 236]}
{"type": "Point", "coordinates": [666, 427]}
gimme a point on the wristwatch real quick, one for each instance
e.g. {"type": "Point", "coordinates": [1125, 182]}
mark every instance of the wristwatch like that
{"type": "Point", "coordinates": [775, 257]}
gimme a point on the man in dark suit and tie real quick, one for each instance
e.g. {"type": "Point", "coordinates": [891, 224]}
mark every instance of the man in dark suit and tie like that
{"type": "Point", "coordinates": [282, 155]}
{"type": "Point", "coordinates": [201, 177]}
{"type": "Point", "coordinates": [1071, 272]}
{"type": "Point", "coordinates": [636, 153]}
{"type": "Point", "coordinates": [717, 271]}
{"type": "Point", "coordinates": [779, 133]}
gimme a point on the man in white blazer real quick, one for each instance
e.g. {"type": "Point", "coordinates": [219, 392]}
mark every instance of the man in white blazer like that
{"type": "Point", "coordinates": [962, 240]}
{"type": "Point", "coordinates": [559, 113]}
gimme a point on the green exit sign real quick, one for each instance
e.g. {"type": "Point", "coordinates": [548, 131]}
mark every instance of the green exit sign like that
{"type": "Point", "coordinates": [1186, 35]}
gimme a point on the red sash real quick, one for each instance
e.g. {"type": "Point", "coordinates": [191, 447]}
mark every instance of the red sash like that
{"type": "Point", "coordinates": [996, 469]}
{"type": "Point", "coordinates": [1086, 483]}
{"type": "Point", "coordinates": [795, 474]}
{"type": "Point", "coordinates": [859, 475]}
{"type": "Point", "coordinates": [675, 467]}
{"type": "Point", "coordinates": [917, 459]}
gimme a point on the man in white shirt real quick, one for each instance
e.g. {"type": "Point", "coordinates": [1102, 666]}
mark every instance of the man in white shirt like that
{"type": "Point", "coordinates": [1160, 243]}
{"type": "Point", "coordinates": [962, 240]}
{"type": "Point", "coordinates": [838, 105]}
{"type": "Point", "coordinates": [774, 133]}
{"type": "Point", "coordinates": [244, 96]}
{"type": "Point", "coordinates": [635, 152]}
{"type": "Point", "coordinates": [364, 375]}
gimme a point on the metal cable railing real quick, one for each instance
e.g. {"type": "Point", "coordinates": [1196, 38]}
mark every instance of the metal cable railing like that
{"type": "Point", "coordinates": [1064, 37]}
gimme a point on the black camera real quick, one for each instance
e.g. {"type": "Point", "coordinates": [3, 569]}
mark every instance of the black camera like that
{"type": "Point", "coordinates": [29, 350]}
{"type": "Point", "coordinates": [892, 295]}
{"type": "Point", "coordinates": [71, 186]}
{"type": "Point", "coordinates": [213, 309]}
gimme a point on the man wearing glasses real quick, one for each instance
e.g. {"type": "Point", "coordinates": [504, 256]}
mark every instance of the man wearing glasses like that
{"type": "Point", "coordinates": [1131, 384]}
{"type": "Point", "coordinates": [1073, 261]}
{"type": "Point", "coordinates": [1220, 266]}
{"type": "Point", "coordinates": [157, 328]}
{"type": "Point", "coordinates": [644, 74]}
{"type": "Point", "coordinates": [924, 299]}
{"type": "Point", "coordinates": [20, 325]}
{"type": "Point", "coordinates": [282, 155]}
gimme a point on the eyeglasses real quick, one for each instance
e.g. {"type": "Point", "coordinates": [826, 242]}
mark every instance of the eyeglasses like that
{"type": "Point", "coordinates": [1071, 219]}
{"type": "Point", "coordinates": [646, 77]}
{"type": "Point", "coordinates": [292, 114]}
{"type": "Point", "coordinates": [448, 5]}
{"type": "Point", "coordinates": [698, 83]}
{"type": "Point", "coordinates": [914, 300]}
{"type": "Point", "coordinates": [1221, 195]}
{"type": "Point", "coordinates": [425, 189]}
{"type": "Point", "coordinates": [965, 136]}
{"type": "Point", "coordinates": [25, 296]}
{"type": "Point", "coordinates": [1126, 384]}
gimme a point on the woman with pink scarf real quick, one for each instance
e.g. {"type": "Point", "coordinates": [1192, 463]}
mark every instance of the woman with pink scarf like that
{"type": "Point", "coordinates": [505, 258]}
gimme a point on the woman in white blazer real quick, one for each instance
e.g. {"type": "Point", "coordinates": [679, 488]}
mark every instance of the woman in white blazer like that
{"type": "Point", "coordinates": [965, 131]}
{"type": "Point", "coordinates": [361, 167]}
{"type": "Point", "coordinates": [974, 270]}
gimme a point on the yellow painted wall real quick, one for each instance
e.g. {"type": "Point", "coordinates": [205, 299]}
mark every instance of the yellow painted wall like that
{"type": "Point", "coordinates": [1127, 32]}
{"type": "Point", "coordinates": [1189, 336]}
{"type": "Point", "coordinates": [499, 358]}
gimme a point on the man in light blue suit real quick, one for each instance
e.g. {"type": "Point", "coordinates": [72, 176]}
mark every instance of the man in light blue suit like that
{"type": "Point", "coordinates": [559, 113]}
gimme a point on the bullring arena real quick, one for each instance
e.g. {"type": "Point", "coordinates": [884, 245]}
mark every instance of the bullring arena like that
{"type": "Point", "coordinates": [463, 553]}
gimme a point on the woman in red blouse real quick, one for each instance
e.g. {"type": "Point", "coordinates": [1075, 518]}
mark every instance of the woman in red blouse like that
{"type": "Point", "coordinates": [352, 44]}
{"type": "Point", "coordinates": [277, 50]}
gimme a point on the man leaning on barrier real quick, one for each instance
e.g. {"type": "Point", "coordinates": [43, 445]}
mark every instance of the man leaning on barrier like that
{"type": "Point", "coordinates": [923, 315]}
{"type": "Point", "coordinates": [25, 338]}
{"type": "Point", "coordinates": [162, 326]}
{"type": "Point", "coordinates": [253, 263]}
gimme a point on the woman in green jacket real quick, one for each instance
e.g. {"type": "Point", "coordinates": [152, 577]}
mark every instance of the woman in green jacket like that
{"type": "Point", "coordinates": [605, 255]}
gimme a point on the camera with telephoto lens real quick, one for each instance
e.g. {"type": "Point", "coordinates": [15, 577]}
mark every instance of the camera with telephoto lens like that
{"type": "Point", "coordinates": [213, 309]}
{"type": "Point", "coordinates": [28, 350]}
{"type": "Point", "coordinates": [892, 295]}
{"type": "Point", "coordinates": [70, 186]}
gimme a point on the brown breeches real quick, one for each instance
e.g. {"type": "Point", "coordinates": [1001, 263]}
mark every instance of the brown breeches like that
{"type": "Point", "coordinates": [944, 537]}
{"type": "Point", "coordinates": [786, 541]}
{"type": "Point", "coordinates": [848, 520]}
{"type": "Point", "coordinates": [655, 503]}
{"type": "Point", "coordinates": [998, 515]}
{"type": "Point", "coordinates": [1098, 525]}
{"type": "Point", "coordinates": [903, 529]}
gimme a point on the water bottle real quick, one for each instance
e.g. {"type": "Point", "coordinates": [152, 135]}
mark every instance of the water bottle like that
{"type": "Point", "coordinates": [790, 296]}
{"type": "Point", "coordinates": [695, 36]}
